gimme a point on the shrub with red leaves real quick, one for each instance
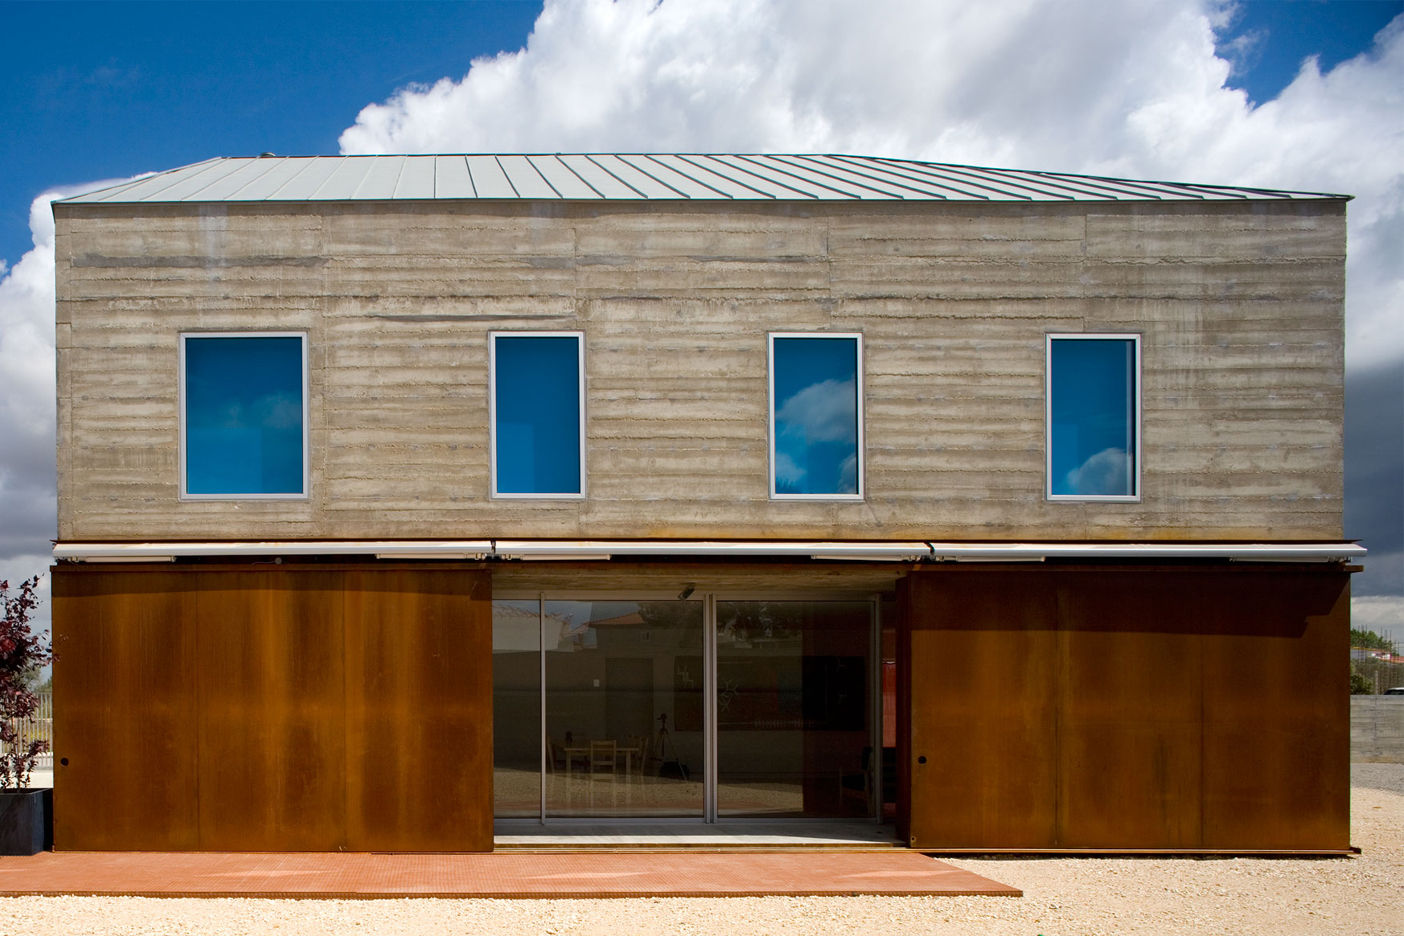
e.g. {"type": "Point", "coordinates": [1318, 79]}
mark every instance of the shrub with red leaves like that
{"type": "Point", "coordinates": [21, 655]}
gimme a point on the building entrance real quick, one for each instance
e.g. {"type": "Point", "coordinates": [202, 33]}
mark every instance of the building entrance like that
{"type": "Point", "coordinates": [683, 708]}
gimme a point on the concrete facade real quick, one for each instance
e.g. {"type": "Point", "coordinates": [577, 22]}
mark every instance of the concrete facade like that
{"type": "Point", "coordinates": [1239, 305]}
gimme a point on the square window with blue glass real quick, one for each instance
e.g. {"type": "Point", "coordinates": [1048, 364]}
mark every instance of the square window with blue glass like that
{"type": "Point", "coordinates": [1094, 417]}
{"type": "Point", "coordinates": [538, 405]}
{"type": "Point", "coordinates": [243, 415]}
{"type": "Point", "coordinates": [816, 430]}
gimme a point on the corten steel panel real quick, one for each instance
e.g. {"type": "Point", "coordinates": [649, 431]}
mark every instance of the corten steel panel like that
{"type": "Point", "coordinates": [1277, 712]}
{"type": "Point", "coordinates": [1182, 707]}
{"type": "Point", "coordinates": [983, 691]}
{"type": "Point", "coordinates": [125, 685]}
{"type": "Point", "coordinates": [272, 714]}
{"type": "Point", "coordinates": [419, 711]}
{"type": "Point", "coordinates": [1129, 711]}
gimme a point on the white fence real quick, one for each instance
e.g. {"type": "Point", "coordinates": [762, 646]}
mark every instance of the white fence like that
{"type": "Point", "coordinates": [40, 727]}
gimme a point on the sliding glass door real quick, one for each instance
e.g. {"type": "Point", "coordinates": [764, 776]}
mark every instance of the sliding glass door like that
{"type": "Point", "coordinates": [623, 708]}
{"type": "Point", "coordinates": [682, 708]}
{"type": "Point", "coordinates": [794, 708]}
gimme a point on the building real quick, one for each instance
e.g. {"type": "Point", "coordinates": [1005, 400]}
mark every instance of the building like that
{"type": "Point", "coordinates": [400, 493]}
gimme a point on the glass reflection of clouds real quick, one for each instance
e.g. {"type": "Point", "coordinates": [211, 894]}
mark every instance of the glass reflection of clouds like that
{"type": "Point", "coordinates": [815, 403]}
{"type": "Point", "coordinates": [1092, 419]}
{"type": "Point", "coordinates": [243, 415]}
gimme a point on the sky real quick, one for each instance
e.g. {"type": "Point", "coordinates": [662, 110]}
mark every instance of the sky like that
{"type": "Point", "coordinates": [1294, 94]}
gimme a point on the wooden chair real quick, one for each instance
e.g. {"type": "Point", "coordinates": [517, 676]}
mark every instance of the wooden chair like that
{"type": "Point", "coordinates": [555, 757]}
{"type": "Point", "coordinates": [604, 757]}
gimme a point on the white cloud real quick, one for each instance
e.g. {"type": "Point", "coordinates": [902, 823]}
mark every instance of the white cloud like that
{"type": "Point", "coordinates": [1104, 473]}
{"type": "Point", "coordinates": [27, 499]}
{"type": "Point", "coordinates": [787, 472]}
{"type": "Point", "coordinates": [1383, 614]}
{"type": "Point", "coordinates": [16, 569]}
{"type": "Point", "coordinates": [822, 412]}
{"type": "Point", "coordinates": [1131, 88]}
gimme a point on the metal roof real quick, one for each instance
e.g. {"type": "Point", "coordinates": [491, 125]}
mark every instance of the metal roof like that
{"type": "Point", "coordinates": [638, 177]}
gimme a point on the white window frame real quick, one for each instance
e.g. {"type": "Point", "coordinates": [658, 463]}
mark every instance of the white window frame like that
{"type": "Point", "coordinates": [579, 337]}
{"type": "Point", "coordinates": [856, 337]}
{"type": "Point", "coordinates": [1135, 496]}
{"type": "Point", "coordinates": [304, 494]}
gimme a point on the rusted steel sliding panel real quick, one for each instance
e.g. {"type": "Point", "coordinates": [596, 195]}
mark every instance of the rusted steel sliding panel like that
{"type": "Point", "coordinates": [240, 707]}
{"type": "Point", "coordinates": [1277, 712]}
{"type": "Point", "coordinates": [271, 713]}
{"type": "Point", "coordinates": [1129, 712]}
{"type": "Point", "coordinates": [1129, 708]}
{"type": "Point", "coordinates": [418, 710]}
{"type": "Point", "coordinates": [983, 761]}
{"type": "Point", "coordinates": [125, 766]}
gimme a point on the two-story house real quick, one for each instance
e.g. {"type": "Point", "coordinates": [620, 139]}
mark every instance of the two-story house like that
{"type": "Point", "coordinates": [399, 495]}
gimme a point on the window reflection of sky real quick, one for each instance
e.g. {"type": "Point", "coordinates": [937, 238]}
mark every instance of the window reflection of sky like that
{"type": "Point", "coordinates": [1092, 417]}
{"type": "Point", "coordinates": [243, 415]}
{"type": "Point", "coordinates": [816, 415]}
{"type": "Point", "coordinates": [537, 395]}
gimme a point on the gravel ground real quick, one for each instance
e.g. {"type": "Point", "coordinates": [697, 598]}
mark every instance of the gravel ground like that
{"type": "Point", "coordinates": [1359, 896]}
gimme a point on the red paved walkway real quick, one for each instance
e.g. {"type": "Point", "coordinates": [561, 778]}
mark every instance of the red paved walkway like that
{"type": "Point", "coordinates": [666, 874]}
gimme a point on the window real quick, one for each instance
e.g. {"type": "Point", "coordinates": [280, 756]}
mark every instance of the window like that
{"type": "Point", "coordinates": [1094, 416]}
{"type": "Point", "coordinates": [537, 390]}
{"type": "Point", "coordinates": [243, 413]}
{"type": "Point", "coordinates": [816, 422]}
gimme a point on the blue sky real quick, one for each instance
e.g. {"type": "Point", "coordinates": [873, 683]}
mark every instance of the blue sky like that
{"type": "Point", "coordinates": [1189, 90]}
{"type": "Point", "coordinates": [145, 86]}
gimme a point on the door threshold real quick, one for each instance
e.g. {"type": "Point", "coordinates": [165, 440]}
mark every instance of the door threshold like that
{"type": "Point", "coordinates": [748, 835]}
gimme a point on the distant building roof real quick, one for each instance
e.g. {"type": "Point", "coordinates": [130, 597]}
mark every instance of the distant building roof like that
{"type": "Point", "coordinates": [637, 177]}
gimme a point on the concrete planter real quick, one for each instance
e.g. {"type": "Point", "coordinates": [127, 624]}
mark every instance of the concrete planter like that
{"type": "Point", "coordinates": [26, 821]}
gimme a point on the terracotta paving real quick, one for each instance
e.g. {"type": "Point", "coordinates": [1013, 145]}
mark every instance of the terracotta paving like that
{"type": "Point", "coordinates": [652, 874]}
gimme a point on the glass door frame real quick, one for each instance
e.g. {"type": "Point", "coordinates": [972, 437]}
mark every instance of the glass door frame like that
{"type": "Point", "coordinates": [710, 734]}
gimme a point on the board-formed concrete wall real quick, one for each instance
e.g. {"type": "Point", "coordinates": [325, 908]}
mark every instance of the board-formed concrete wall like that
{"type": "Point", "coordinates": [1239, 303]}
{"type": "Point", "coordinates": [1377, 729]}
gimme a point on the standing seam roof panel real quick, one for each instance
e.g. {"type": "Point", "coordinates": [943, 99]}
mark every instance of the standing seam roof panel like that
{"type": "Point", "coordinates": [785, 187]}
{"type": "Point", "coordinates": [342, 182]}
{"type": "Point", "coordinates": [417, 178]}
{"type": "Point", "coordinates": [526, 180]}
{"type": "Point", "coordinates": [489, 179]}
{"type": "Point", "coordinates": [607, 184]}
{"type": "Point", "coordinates": [640, 177]}
{"type": "Point", "coordinates": [824, 184]}
{"type": "Point", "coordinates": [636, 179]}
{"type": "Point", "coordinates": [937, 183]}
{"type": "Point", "coordinates": [854, 181]}
{"type": "Point", "coordinates": [275, 172]}
{"type": "Point", "coordinates": [175, 186]}
{"type": "Point", "coordinates": [870, 170]}
{"type": "Point", "coordinates": [302, 184]}
{"type": "Point", "coordinates": [562, 178]}
{"type": "Point", "coordinates": [452, 178]}
{"type": "Point", "coordinates": [227, 187]}
{"type": "Point", "coordinates": [691, 180]}
{"type": "Point", "coordinates": [380, 178]}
